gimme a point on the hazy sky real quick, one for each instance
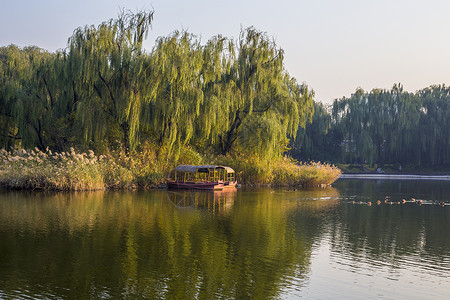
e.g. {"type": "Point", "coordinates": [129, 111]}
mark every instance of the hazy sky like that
{"type": "Point", "coordinates": [334, 46]}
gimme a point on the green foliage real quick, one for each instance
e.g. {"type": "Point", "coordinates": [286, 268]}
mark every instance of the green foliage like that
{"type": "Point", "coordinates": [174, 106]}
{"type": "Point", "coordinates": [381, 127]}
{"type": "Point", "coordinates": [396, 126]}
{"type": "Point", "coordinates": [318, 139]}
{"type": "Point", "coordinates": [107, 68]}
{"type": "Point", "coordinates": [104, 90]}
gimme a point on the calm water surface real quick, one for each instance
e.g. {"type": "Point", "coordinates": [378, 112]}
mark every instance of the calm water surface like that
{"type": "Point", "coordinates": [267, 243]}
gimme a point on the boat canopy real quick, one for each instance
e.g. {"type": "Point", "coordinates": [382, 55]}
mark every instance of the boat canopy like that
{"type": "Point", "coordinates": [202, 168]}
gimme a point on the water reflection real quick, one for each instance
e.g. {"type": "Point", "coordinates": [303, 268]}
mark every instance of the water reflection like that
{"type": "Point", "coordinates": [267, 243]}
{"type": "Point", "coordinates": [388, 251]}
{"type": "Point", "coordinates": [155, 244]}
{"type": "Point", "coordinates": [216, 201]}
{"type": "Point", "coordinates": [372, 190]}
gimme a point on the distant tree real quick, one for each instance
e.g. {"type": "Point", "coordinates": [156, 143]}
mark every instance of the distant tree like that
{"type": "Point", "coordinates": [435, 125]}
{"type": "Point", "coordinates": [395, 126]}
{"type": "Point", "coordinates": [317, 141]}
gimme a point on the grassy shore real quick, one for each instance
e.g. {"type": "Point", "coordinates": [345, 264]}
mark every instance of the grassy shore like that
{"type": "Point", "coordinates": [75, 171]}
{"type": "Point", "coordinates": [394, 169]}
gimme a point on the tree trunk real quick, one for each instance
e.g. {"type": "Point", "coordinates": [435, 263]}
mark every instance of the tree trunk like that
{"type": "Point", "coordinates": [231, 135]}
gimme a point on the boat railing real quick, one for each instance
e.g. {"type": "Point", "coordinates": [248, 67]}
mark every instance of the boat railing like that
{"type": "Point", "coordinates": [204, 174]}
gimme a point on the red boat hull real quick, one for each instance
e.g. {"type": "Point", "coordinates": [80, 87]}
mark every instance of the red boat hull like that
{"type": "Point", "coordinates": [195, 185]}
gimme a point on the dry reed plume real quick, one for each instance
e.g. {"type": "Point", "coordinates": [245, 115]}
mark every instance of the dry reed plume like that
{"type": "Point", "coordinates": [74, 171]}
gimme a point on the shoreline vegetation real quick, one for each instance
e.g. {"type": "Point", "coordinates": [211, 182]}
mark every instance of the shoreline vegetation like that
{"type": "Point", "coordinates": [393, 169]}
{"type": "Point", "coordinates": [75, 171]}
{"type": "Point", "coordinates": [226, 101]}
{"type": "Point", "coordinates": [386, 176]}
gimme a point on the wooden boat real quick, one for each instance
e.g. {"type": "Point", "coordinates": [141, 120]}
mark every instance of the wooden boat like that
{"type": "Point", "coordinates": [204, 177]}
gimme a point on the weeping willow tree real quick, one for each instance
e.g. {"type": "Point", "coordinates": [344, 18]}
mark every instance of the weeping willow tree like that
{"type": "Point", "coordinates": [318, 140]}
{"type": "Point", "coordinates": [173, 107]}
{"type": "Point", "coordinates": [31, 96]}
{"type": "Point", "coordinates": [107, 67]}
{"type": "Point", "coordinates": [403, 132]}
{"type": "Point", "coordinates": [350, 114]}
{"type": "Point", "coordinates": [394, 126]}
{"type": "Point", "coordinates": [9, 56]}
{"type": "Point", "coordinates": [434, 125]}
{"type": "Point", "coordinates": [223, 94]}
{"type": "Point", "coordinates": [219, 97]}
{"type": "Point", "coordinates": [371, 121]}
{"type": "Point", "coordinates": [263, 104]}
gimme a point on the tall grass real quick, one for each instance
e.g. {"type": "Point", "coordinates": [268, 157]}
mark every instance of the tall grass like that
{"type": "Point", "coordinates": [35, 169]}
{"type": "Point", "coordinates": [75, 171]}
{"type": "Point", "coordinates": [283, 171]}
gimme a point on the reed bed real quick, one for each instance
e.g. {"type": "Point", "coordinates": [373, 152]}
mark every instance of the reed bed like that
{"type": "Point", "coordinates": [77, 171]}
{"type": "Point", "coordinates": [35, 169]}
{"type": "Point", "coordinates": [252, 170]}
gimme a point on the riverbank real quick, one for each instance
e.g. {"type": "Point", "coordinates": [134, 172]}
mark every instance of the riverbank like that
{"type": "Point", "coordinates": [74, 171]}
{"type": "Point", "coordinates": [394, 176]}
{"type": "Point", "coordinates": [394, 169]}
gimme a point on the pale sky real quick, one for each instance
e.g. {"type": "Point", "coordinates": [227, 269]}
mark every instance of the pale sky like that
{"type": "Point", "coordinates": [333, 46]}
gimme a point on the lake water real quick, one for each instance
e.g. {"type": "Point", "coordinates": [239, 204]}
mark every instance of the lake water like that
{"type": "Point", "coordinates": [246, 243]}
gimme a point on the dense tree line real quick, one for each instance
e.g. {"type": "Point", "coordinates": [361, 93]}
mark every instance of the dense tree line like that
{"type": "Point", "coordinates": [105, 88]}
{"type": "Point", "coordinates": [379, 127]}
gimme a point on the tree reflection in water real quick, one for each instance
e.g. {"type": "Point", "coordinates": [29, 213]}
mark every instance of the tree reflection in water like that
{"type": "Point", "coordinates": [245, 243]}
{"type": "Point", "coordinates": [158, 244]}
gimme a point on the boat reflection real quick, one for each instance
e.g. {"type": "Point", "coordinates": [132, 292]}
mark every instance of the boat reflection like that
{"type": "Point", "coordinates": [215, 201]}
